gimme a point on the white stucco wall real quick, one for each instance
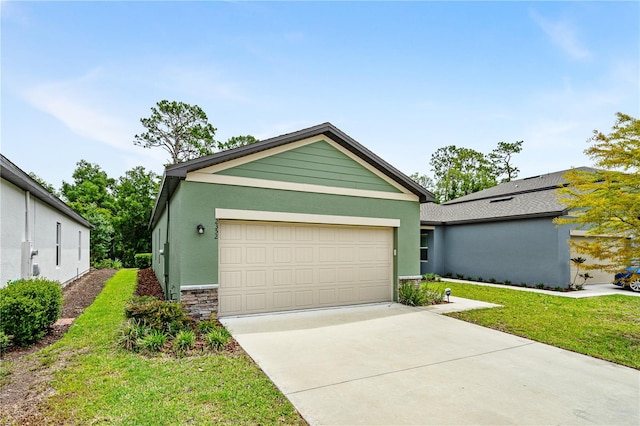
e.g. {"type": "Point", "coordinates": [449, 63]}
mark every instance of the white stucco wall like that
{"type": "Point", "coordinates": [36, 223]}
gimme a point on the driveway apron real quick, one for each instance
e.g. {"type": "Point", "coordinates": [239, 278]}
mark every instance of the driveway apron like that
{"type": "Point", "coordinates": [392, 364]}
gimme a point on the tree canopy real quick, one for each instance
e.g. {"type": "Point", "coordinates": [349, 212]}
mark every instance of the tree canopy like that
{"type": "Point", "coordinates": [606, 203]}
{"type": "Point", "coordinates": [181, 129]}
{"type": "Point", "coordinates": [458, 171]}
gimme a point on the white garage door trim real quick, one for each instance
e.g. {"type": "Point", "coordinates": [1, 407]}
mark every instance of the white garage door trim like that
{"type": "Point", "coordinates": [270, 216]}
{"type": "Point", "coordinates": [269, 266]}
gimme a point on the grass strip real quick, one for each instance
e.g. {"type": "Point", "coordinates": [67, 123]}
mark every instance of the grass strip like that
{"type": "Point", "coordinates": [606, 327]}
{"type": "Point", "coordinates": [101, 383]}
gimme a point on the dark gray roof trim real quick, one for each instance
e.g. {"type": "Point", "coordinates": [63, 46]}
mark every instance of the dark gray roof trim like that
{"type": "Point", "coordinates": [177, 172]}
{"type": "Point", "coordinates": [12, 173]}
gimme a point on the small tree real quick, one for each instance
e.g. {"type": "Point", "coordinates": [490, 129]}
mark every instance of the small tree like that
{"type": "Point", "coordinates": [181, 129]}
{"type": "Point", "coordinates": [501, 157]}
{"type": "Point", "coordinates": [606, 203]}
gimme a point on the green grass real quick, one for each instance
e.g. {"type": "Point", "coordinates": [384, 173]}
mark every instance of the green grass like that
{"type": "Point", "coordinates": [606, 327]}
{"type": "Point", "coordinates": [97, 382]}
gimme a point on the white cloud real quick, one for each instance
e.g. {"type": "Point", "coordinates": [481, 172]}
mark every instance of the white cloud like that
{"type": "Point", "coordinates": [82, 106]}
{"type": "Point", "coordinates": [563, 35]}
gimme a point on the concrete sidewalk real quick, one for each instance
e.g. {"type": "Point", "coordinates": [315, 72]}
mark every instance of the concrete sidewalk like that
{"type": "Point", "coordinates": [590, 290]}
{"type": "Point", "coordinates": [392, 364]}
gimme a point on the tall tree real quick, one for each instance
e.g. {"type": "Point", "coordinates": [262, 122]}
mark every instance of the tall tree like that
{"type": "Point", "coordinates": [181, 129]}
{"type": "Point", "coordinates": [237, 141]}
{"type": "Point", "coordinates": [606, 203]}
{"type": "Point", "coordinates": [134, 197]}
{"type": "Point", "coordinates": [91, 195]}
{"type": "Point", "coordinates": [502, 159]}
{"type": "Point", "coordinates": [46, 185]}
{"type": "Point", "coordinates": [91, 187]}
{"type": "Point", "coordinates": [460, 171]}
{"type": "Point", "coordinates": [423, 180]}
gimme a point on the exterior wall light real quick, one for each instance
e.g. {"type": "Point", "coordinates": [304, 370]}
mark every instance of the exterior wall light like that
{"type": "Point", "coordinates": [200, 229]}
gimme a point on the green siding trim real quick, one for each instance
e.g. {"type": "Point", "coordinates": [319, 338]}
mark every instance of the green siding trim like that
{"type": "Point", "coordinates": [318, 163]}
{"type": "Point", "coordinates": [194, 258]}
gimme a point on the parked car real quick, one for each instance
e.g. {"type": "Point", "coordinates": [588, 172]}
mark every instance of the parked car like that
{"type": "Point", "coordinates": [630, 278]}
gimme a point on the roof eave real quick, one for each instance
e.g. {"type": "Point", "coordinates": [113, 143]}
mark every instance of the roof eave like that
{"type": "Point", "coordinates": [13, 174]}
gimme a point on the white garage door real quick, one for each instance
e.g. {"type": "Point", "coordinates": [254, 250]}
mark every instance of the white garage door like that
{"type": "Point", "coordinates": [271, 266]}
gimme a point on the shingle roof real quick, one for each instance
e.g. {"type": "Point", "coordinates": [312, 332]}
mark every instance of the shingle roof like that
{"type": "Point", "coordinates": [530, 197]}
{"type": "Point", "coordinates": [12, 173]}
{"type": "Point", "coordinates": [173, 174]}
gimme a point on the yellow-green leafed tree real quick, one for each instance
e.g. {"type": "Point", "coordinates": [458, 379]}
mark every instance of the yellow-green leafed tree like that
{"type": "Point", "coordinates": [606, 203]}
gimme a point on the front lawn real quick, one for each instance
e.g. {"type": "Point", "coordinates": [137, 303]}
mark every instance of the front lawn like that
{"type": "Point", "coordinates": [97, 382]}
{"type": "Point", "coordinates": [606, 327]}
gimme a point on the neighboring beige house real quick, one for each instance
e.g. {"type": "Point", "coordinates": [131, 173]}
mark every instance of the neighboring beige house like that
{"type": "Point", "coordinates": [39, 234]}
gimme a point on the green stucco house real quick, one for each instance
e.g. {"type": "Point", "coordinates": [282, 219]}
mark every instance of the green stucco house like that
{"type": "Point", "coordinates": [305, 220]}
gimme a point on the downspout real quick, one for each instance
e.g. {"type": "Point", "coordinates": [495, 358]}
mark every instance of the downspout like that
{"type": "Point", "coordinates": [165, 250]}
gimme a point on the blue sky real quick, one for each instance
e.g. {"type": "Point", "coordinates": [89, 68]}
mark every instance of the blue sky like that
{"type": "Point", "coordinates": [402, 78]}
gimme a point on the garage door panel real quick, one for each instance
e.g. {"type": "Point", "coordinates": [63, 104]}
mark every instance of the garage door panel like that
{"type": "Point", "coordinates": [304, 299]}
{"type": "Point", "coordinates": [282, 299]}
{"type": "Point", "coordinates": [301, 266]}
{"type": "Point", "coordinates": [256, 302]}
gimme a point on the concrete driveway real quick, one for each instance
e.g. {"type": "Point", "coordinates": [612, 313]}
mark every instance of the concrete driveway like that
{"type": "Point", "coordinates": [392, 364]}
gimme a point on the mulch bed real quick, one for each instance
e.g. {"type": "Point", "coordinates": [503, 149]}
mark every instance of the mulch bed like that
{"type": "Point", "coordinates": [148, 284]}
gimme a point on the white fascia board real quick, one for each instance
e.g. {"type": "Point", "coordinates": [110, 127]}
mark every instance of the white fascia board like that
{"type": "Point", "coordinates": [269, 216]}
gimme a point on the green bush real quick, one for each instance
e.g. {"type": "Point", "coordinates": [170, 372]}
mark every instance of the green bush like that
{"type": "Point", "coordinates": [217, 338]}
{"type": "Point", "coordinates": [167, 316]}
{"type": "Point", "coordinates": [411, 295]}
{"type": "Point", "coordinates": [153, 341]}
{"type": "Point", "coordinates": [28, 308]}
{"type": "Point", "coordinates": [131, 333]}
{"type": "Point", "coordinates": [433, 295]}
{"type": "Point", "coordinates": [184, 340]}
{"type": "Point", "coordinates": [5, 342]}
{"type": "Point", "coordinates": [108, 264]}
{"type": "Point", "coordinates": [142, 260]}
{"type": "Point", "coordinates": [431, 277]}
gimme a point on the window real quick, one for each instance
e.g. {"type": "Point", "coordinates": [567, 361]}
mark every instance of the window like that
{"type": "Point", "coordinates": [79, 245]}
{"type": "Point", "coordinates": [58, 243]}
{"type": "Point", "coordinates": [424, 245]}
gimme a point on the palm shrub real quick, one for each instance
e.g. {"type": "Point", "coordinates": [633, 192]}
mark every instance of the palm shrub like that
{"type": "Point", "coordinates": [153, 340]}
{"type": "Point", "coordinates": [411, 295]}
{"type": "Point", "coordinates": [217, 338]}
{"type": "Point", "coordinates": [184, 340]}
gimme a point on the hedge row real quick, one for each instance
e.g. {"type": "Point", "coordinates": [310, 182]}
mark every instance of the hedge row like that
{"type": "Point", "coordinates": [28, 308]}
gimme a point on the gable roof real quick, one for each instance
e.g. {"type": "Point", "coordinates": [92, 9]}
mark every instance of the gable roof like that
{"type": "Point", "coordinates": [175, 173]}
{"type": "Point", "coordinates": [12, 173]}
{"type": "Point", "coordinates": [523, 198]}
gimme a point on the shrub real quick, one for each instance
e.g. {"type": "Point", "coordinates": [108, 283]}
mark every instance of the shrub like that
{"type": "Point", "coordinates": [142, 260]}
{"type": "Point", "coordinates": [131, 333]}
{"type": "Point", "coordinates": [107, 264]}
{"type": "Point", "coordinates": [459, 276]}
{"type": "Point", "coordinates": [28, 308]}
{"type": "Point", "coordinates": [480, 279]}
{"type": "Point", "coordinates": [184, 340]}
{"type": "Point", "coordinates": [153, 340]}
{"type": "Point", "coordinates": [492, 280]}
{"type": "Point", "coordinates": [5, 342]}
{"type": "Point", "coordinates": [507, 282]}
{"type": "Point", "coordinates": [167, 316]}
{"type": "Point", "coordinates": [433, 295]}
{"type": "Point", "coordinates": [539, 285]}
{"type": "Point", "coordinates": [217, 338]}
{"type": "Point", "coordinates": [448, 275]}
{"type": "Point", "coordinates": [411, 295]}
{"type": "Point", "coordinates": [431, 277]}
